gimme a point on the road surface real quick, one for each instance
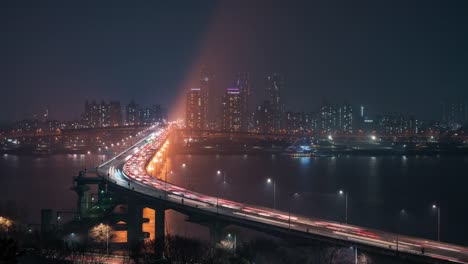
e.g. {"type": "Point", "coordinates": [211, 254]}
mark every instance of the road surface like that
{"type": "Point", "coordinates": [131, 169]}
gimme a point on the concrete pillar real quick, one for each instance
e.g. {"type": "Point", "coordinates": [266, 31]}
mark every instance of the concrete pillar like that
{"type": "Point", "coordinates": [134, 224]}
{"type": "Point", "coordinates": [160, 215]}
{"type": "Point", "coordinates": [160, 223]}
{"type": "Point", "coordinates": [83, 200]}
{"type": "Point", "coordinates": [215, 233]}
{"type": "Point", "coordinates": [101, 190]}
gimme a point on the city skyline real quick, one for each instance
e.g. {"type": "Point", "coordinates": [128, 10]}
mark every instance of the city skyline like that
{"type": "Point", "coordinates": [221, 131]}
{"type": "Point", "coordinates": [370, 58]}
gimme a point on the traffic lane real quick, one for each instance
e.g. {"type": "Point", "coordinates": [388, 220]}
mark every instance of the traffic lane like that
{"type": "Point", "coordinates": [200, 201]}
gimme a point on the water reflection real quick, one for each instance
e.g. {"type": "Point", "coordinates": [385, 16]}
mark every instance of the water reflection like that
{"type": "Point", "coordinates": [305, 161]}
{"type": "Point", "coordinates": [375, 184]}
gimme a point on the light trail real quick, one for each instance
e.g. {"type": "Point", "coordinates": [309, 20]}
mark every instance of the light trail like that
{"type": "Point", "coordinates": [134, 169]}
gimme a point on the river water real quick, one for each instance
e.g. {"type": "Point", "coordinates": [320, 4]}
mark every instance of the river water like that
{"type": "Point", "coordinates": [377, 187]}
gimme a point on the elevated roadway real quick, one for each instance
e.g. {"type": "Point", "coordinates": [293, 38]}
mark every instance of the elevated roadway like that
{"type": "Point", "coordinates": [131, 171]}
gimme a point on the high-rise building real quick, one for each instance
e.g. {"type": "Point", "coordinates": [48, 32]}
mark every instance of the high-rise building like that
{"type": "Point", "coordinates": [274, 84]}
{"type": "Point", "coordinates": [110, 114]}
{"type": "Point", "coordinates": [132, 115]}
{"type": "Point", "coordinates": [144, 115]}
{"type": "Point", "coordinates": [206, 92]}
{"type": "Point", "coordinates": [345, 119]}
{"type": "Point", "coordinates": [242, 81]}
{"type": "Point", "coordinates": [396, 124]}
{"type": "Point", "coordinates": [295, 122]}
{"type": "Point", "coordinates": [88, 115]}
{"type": "Point", "coordinates": [298, 123]}
{"type": "Point", "coordinates": [115, 113]}
{"type": "Point", "coordinates": [150, 115]}
{"type": "Point", "coordinates": [327, 118]}
{"type": "Point", "coordinates": [233, 115]}
{"type": "Point", "coordinates": [195, 109]}
{"type": "Point", "coordinates": [336, 118]}
{"type": "Point", "coordinates": [93, 114]}
{"type": "Point", "coordinates": [157, 113]}
{"type": "Point", "coordinates": [359, 123]}
{"type": "Point", "coordinates": [454, 114]}
{"type": "Point", "coordinates": [264, 118]}
{"type": "Point", "coordinates": [96, 115]}
{"type": "Point", "coordinates": [103, 115]}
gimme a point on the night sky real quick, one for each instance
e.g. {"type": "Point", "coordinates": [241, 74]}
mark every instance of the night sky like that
{"type": "Point", "coordinates": [402, 56]}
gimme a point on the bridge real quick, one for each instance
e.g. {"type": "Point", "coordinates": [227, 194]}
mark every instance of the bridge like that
{"type": "Point", "coordinates": [132, 174]}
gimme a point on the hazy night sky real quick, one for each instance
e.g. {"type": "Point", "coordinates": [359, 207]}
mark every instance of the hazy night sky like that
{"type": "Point", "coordinates": [396, 56]}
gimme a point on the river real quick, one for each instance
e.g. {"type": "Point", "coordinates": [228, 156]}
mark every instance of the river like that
{"type": "Point", "coordinates": [377, 187]}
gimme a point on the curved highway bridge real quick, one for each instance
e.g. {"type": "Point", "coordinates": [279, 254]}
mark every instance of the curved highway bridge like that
{"type": "Point", "coordinates": [131, 172]}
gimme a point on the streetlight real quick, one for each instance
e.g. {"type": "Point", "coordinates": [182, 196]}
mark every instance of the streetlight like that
{"type": "Point", "coordinates": [341, 192]}
{"type": "Point", "coordinates": [400, 215]}
{"type": "Point", "coordinates": [107, 240]}
{"type": "Point", "coordinates": [355, 254]}
{"type": "Point", "coordinates": [219, 172]}
{"type": "Point", "coordinates": [234, 244]}
{"type": "Point", "coordinates": [295, 195]}
{"type": "Point", "coordinates": [98, 232]}
{"type": "Point", "coordinates": [435, 207]}
{"type": "Point", "coordinates": [269, 181]}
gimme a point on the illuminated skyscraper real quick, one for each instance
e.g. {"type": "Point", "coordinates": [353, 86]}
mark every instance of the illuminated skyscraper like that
{"type": "Point", "coordinates": [336, 118]}
{"type": "Point", "coordinates": [454, 114]}
{"type": "Point", "coordinates": [345, 118]}
{"type": "Point", "coordinates": [263, 118]}
{"type": "Point", "coordinates": [327, 118]}
{"type": "Point", "coordinates": [206, 93]}
{"type": "Point", "coordinates": [195, 109]}
{"type": "Point", "coordinates": [132, 117]}
{"type": "Point", "coordinates": [96, 114]}
{"type": "Point", "coordinates": [242, 81]}
{"type": "Point", "coordinates": [273, 86]}
{"type": "Point", "coordinates": [115, 113]}
{"type": "Point", "coordinates": [233, 115]}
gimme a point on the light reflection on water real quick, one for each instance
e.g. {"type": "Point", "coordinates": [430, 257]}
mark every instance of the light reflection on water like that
{"type": "Point", "coordinates": [377, 186]}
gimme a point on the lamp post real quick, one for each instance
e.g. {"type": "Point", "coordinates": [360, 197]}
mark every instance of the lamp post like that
{"type": "Point", "coordinates": [234, 244]}
{"type": "Point", "coordinates": [400, 216]}
{"type": "Point", "coordinates": [290, 209]}
{"type": "Point", "coordinates": [269, 181]}
{"type": "Point", "coordinates": [107, 240]}
{"type": "Point", "coordinates": [341, 193]}
{"type": "Point", "coordinates": [223, 173]}
{"type": "Point", "coordinates": [185, 174]}
{"type": "Point", "coordinates": [355, 255]}
{"type": "Point", "coordinates": [219, 172]}
{"type": "Point", "coordinates": [435, 207]}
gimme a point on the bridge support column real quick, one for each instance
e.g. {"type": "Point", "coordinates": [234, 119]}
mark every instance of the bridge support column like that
{"type": "Point", "coordinates": [101, 190]}
{"type": "Point", "coordinates": [83, 199]}
{"type": "Point", "coordinates": [160, 238]}
{"type": "Point", "coordinates": [134, 225]}
{"type": "Point", "coordinates": [215, 234]}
